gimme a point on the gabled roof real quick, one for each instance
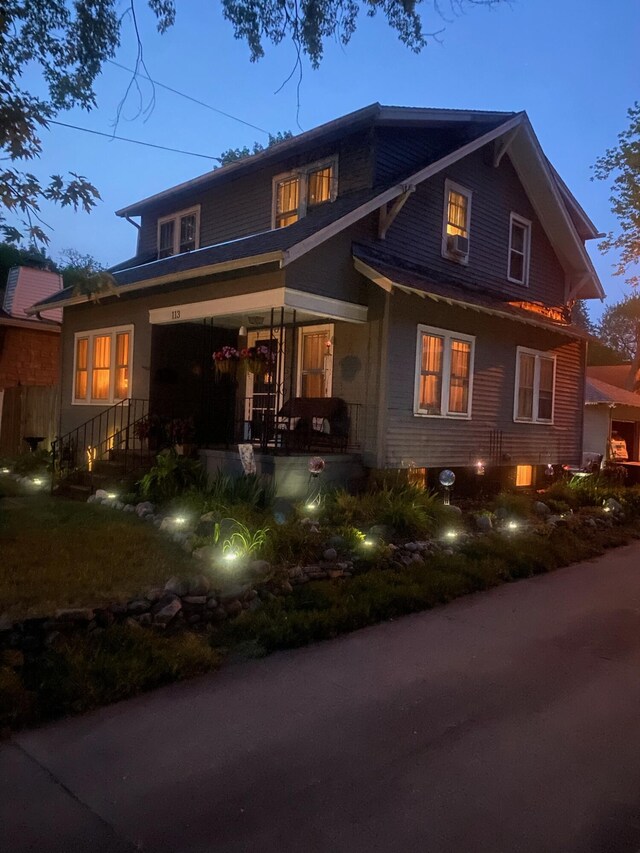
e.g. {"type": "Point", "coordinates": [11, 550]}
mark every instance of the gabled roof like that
{"type": "Point", "coordinates": [615, 375]}
{"type": "Point", "coordinates": [598, 392]}
{"type": "Point", "coordinates": [285, 245]}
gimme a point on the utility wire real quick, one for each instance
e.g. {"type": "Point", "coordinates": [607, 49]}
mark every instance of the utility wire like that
{"type": "Point", "coordinates": [189, 97]}
{"type": "Point", "coordinates": [134, 141]}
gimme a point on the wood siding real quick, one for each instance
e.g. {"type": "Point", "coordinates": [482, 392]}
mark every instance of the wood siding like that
{"type": "Point", "coordinates": [416, 234]}
{"type": "Point", "coordinates": [452, 442]}
{"type": "Point", "coordinates": [243, 205]}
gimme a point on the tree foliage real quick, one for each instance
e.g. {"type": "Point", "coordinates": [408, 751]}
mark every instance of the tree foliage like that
{"type": "Point", "coordinates": [580, 316]}
{"type": "Point", "coordinates": [619, 327]}
{"type": "Point", "coordinates": [232, 155]}
{"type": "Point", "coordinates": [623, 162]}
{"type": "Point", "coordinates": [65, 43]}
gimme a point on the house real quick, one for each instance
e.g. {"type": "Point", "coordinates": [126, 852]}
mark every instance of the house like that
{"type": "Point", "coordinates": [612, 419]}
{"type": "Point", "coordinates": [415, 265]}
{"type": "Point", "coordinates": [29, 360]}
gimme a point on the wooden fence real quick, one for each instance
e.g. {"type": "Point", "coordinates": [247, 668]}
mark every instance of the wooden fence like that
{"type": "Point", "coordinates": [27, 410]}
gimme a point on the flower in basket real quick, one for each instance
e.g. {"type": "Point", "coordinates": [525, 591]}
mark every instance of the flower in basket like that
{"type": "Point", "coordinates": [226, 360]}
{"type": "Point", "coordinates": [260, 359]}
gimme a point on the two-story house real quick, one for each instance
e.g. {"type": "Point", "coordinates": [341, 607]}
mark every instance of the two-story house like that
{"type": "Point", "coordinates": [410, 273]}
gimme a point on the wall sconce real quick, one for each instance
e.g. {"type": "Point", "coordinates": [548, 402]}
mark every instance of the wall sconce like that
{"type": "Point", "coordinates": [242, 331]}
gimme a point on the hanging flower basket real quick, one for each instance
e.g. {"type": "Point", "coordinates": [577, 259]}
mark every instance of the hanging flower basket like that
{"type": "Point", "coordinates": [256, 366]}
{"type": "Point", "coordinates": [226, 361]}
{"type": "Point", "coordinates": [258, 359]}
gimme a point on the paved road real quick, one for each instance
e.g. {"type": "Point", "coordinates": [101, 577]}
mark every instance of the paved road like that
{"type": "Point", "coordinates": [507, 721]}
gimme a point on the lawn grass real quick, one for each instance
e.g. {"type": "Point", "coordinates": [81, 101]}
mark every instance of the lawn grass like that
{"type": "Point", "coordinates": [56, 553]}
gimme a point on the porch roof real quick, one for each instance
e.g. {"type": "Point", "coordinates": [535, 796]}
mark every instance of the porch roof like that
{"type": "Point", "coordinates": [390, 275]}
{"type": "Point", "coordinates": [252, 309]}
{"type": "Point", "coordinates": [601, 393]}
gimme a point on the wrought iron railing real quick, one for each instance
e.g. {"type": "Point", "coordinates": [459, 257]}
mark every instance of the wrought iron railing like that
{"type": "Point", "coordinates": [111, 434]}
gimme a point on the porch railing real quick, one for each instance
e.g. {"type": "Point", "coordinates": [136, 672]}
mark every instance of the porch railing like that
{"type": "Point", "coordinates": [109, 435]}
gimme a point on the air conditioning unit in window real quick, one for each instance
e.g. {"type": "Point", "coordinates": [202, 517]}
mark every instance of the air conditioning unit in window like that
{"type": "Point", "coordinates": [458, 245]}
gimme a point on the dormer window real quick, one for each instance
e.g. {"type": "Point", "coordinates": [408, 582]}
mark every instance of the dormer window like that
{"type": "Point", "coordinates": [179, 233]}
{"type": "Point", "coordinates": [297, 191]}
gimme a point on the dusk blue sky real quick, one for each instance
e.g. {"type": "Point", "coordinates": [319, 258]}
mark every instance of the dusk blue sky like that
{"type": "Point", "coordinates": [572, 65]}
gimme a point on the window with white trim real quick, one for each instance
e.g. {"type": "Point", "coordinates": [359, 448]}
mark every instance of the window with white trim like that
{"type": "Point", "coordinates": [535, 386]}
{"type": "Point", "coordinates": [519, 249]}
{"type": "Point", "coordinates": [179, 233]}
{"type": "Point", "coordinates": [295, 192]}
{"type": "Point", "coordinates": [102, 366]}
{"type": "Point", "coordinates": [444, 373]}
{"type": "Point", "coordinates": [456, 222]}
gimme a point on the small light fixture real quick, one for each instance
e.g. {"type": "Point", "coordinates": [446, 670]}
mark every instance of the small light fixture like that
{"type": "Point", "coordinates": [606, 508]}
{"type": "Point", "coordinates": [37, 481]}
{"type": "Point", "coordinates": [112, 496]}
{"type": "Point", "coordinates": [230, 556]}
{"type": "Point", "coordinates": [179, 520]}
{"type": "Point", "coordinates": [311, 506]}
{"type": "Point", "coordinates": [480, 469]}
{"type": "Point", "coordinates": [242, 331]}
{"type": "Point", "coordinates": [368, 542]}
{"type": "Point", "coordinates": [6, 471]}
{"type": "Point", "coordinates": [512, 525]}
{"type": "Point", "coordinates": [451, 534]}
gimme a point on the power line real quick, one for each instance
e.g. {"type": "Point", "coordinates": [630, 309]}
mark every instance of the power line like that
{"type": "Point", "coordinates": [189, 97]}
{"type": "Point", "coordinates": [134, 141]}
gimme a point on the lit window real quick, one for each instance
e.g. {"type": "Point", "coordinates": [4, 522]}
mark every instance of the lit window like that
{"type": "Point", "coordinates": [524, 475]}
{"type": "Point", "coordinates": [179, 233]}
{"type": "Point", "coordinates": [102, 365]}
{"type": "Point", "coordinates": [535, 386]}
{"type": "Point", "coordinates": [297, 191]}
{"type": "Point", "coordinates": [444, 372]}
{"type": "Point", "coordinates": [456, 222]}
{"type": "Point", "coordinates": [519, 249]}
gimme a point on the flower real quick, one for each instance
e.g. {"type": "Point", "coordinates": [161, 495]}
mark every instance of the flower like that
{"type": "Point", "coordinates": [227, 353]}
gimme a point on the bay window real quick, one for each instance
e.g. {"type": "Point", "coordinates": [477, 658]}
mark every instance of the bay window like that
{"type": "Point", "coordinates": [102, 366]}
{"type": "Point", "coordinates": [535, 386]}
{"type": "Point", "coordinates": [444, 373]}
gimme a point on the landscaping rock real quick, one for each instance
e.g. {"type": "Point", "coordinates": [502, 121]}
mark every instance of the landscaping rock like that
{"type": "Point", "coordinates": [212, 603]}
{"type": "Point", "coordinates": [101, 494]}
{"type": "Point", "coordinates": [259, 567]}
{"type": "Point", "coordinates": [168, 612]}
{"type": "Point", "coordinates": [484, 523]}
{"type": "Point", "coordinates": [74, 614]}
{"type": "Point", "coordinates": [130, 622]}
{"type": "Point", "coordinates": [235, 591]}
{"type": "Point", "coordinates": [199, 585]}
{"type": "Point", "coordinates": [541, 508]}
{"type": "Point", "coordinates": [155, 594]}
{"type": "Point", "coordinates": [137, 606]}
{"type": "Point", "coordinates": [129, 508]}
{"type": "Point", "coordinates": [410, 546]}
{"type": "Point", "coordinates": [205, 553]}
{"type": "Point", "coordinates": [330, 555]}
{"type": "Point", "coordinates": [286, 588]}
{"type": "Point", "coordinates": [93, 499]}
{"type": "Point", "coordinates": [144, 620]}
{"type": "Point", "coordinates": [233, 607]}
{"type": "Point", "coordinates": [167, 523]}
{"type": "Point", "coordinates": [613, 505]}
{"type": "Point", "coordinates": [336, 541]}
{"type": "Point", "coordinates": [455, 510]}
{"type": "Point", "coordinates": [177, 586]}
{"type": "Point", "coordinates": [193, 600]}
{"type": "Point", "coordinates": [144, 508]}
{"type": "Point", "coordinates": [207, 525]}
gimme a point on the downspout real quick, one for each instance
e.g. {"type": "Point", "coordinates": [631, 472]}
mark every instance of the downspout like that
{"type": "Point", "coordinates": [138, 226]}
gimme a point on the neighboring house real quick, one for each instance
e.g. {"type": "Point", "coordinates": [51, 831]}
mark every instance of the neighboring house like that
{"type": "Point", "coordinates": [614, 374]}
{"type": "Point", "coordinates": [418, 264]}
{"type": "Point", "coordinates": [29, 360]}
{"type": "Point", "coordinates": [612, 417]}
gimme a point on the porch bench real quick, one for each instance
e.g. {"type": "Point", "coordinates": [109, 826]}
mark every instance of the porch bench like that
{"type": "Point", "coordinates": [314, 423]}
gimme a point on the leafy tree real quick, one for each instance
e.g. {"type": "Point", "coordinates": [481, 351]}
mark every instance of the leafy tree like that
{"type": "Point", "coordinates": [619, 329]}
{"type": "Point", "coordinates": [232, 155]}
{"type": "Point", "coordinates": [85, 274]}
{"type": "Point", "coordinates": [623, 161]}
{"type": "Point", "coordinates": [67, 42]}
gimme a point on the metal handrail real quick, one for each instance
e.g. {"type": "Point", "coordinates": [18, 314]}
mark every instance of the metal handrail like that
{"type": "Point", "coordinates": [111, 430]}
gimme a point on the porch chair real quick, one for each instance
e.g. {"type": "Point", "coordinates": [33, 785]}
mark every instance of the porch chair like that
{"type": "Point", "coordinates": [314, 423]}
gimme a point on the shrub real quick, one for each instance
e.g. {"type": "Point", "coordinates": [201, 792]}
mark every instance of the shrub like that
{"type": "Point", "coordinates": [409, 510]}
{"type": "Point", "coordinates": [172, 475]}
{"type": "Point", "coordinates": [253, 490]}
{"type": "Point", "coordinates": [514, 504]}
{"type": "Point", "coordinates": [30, 463]}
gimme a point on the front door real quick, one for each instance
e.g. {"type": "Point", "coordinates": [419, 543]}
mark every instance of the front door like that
{"type": "Point", "coordinates": [315, 361]}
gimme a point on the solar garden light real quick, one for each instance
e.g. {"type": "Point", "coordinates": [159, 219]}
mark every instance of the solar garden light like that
{"type": "Point", "coordinates": [314, 494]}
{"type": "Point", "coordinates": [447, 479]}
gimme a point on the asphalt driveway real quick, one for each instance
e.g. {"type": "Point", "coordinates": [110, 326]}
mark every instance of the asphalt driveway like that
{"type": "Point", "coordinates": [507, 721]}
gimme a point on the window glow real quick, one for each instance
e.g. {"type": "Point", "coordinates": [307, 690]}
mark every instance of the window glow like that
{"type": "Point", "coordinates": [535, 386]}
{"type": "Point", "coordinates": [102, 365]}
{"type": "Point", "coordinates": [444, 364]}
{"type": "Point", "coordinates": [524, 475]}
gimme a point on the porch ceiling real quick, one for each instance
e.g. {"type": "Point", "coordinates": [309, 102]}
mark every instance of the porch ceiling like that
{"type": "Point", "coordinates": [253, 310]}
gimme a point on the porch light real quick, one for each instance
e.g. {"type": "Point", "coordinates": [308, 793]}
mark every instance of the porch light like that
{"type": "Point", "coordinates": [242, 332]}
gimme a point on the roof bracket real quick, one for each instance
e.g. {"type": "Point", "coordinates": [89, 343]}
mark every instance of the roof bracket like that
{"type": "Point", "coordinates": [387, 216]}
{"type": "Point", "coordinates": [576, 286]}
{"type": "Point", "coordinates": [501, 145]}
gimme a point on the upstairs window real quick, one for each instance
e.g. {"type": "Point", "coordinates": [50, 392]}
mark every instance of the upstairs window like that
{"type": "Point", "coordinates": [519, 249]}
{"type": "Point", "coordinates": [444, 373]}
{"type": "Point", "coordinates": [102, 366]}
{"type": "Point", "coordinates": [179, 233]}
{"type": "Point", "coordinates": [297, 191]}
{"type": "Point", "coordinates": [535, 386]}
{"type": "Point", "coordinates": [456, 222]}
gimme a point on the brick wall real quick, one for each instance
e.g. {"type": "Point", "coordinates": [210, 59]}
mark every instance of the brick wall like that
{"type": "Point", "coordinates": [28, 357]}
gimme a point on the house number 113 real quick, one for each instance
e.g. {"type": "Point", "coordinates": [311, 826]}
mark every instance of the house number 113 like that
{"type": "Point", "coordinates": [175, 315]}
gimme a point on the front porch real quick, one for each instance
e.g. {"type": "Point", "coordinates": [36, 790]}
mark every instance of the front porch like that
{"type": "Point", "coordinates": [275, 369]}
